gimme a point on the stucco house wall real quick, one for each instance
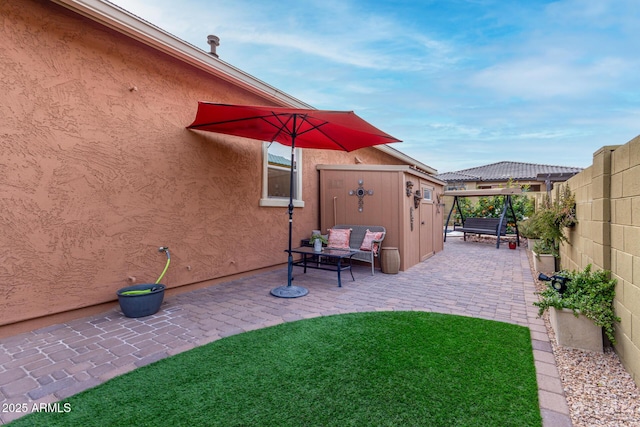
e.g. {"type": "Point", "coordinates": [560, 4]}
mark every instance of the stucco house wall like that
{"type": "Point", "coordinates": [608, 236]}
{"type": "Point", "coordinates": [97, 170]}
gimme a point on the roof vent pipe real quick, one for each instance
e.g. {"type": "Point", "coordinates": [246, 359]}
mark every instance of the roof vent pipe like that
{"type": "Point", "coordinates": [214, 42]}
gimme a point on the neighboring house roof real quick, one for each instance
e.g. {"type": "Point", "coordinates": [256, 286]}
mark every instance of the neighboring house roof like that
{"type": "Point", "coordinates": [125, 22]}
{"type": "Point", "coordinates": [503, 171]}
{"type": "Point", "coordinates": [457, 176]}
{"type": "Point", "coordinates": [278, 160]}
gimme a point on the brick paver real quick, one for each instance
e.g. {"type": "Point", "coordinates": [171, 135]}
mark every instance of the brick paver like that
{"type": "Point", "coordinates": [467, 278]}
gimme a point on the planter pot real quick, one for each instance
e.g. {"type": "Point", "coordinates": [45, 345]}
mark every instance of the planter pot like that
{"type": "Point", "coordinates": [512, 245]}
{"type": "Point", "coordinates": [531, 242]}
{"type": "Point", "coordinates": [575, 332]}
{"type": "Point", "coordinates": [141, 300]}
{"type": "Point", "coordinates": [317, 245]}
{"type": "Point", "coordinates": [544, 263]}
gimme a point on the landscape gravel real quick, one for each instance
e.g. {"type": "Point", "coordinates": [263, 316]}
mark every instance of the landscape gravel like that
{"type": "Point", "coordinates": [599, 391]}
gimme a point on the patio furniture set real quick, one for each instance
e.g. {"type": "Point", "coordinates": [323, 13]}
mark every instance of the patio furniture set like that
{"type": "Point", "coordinates": [345, 243]}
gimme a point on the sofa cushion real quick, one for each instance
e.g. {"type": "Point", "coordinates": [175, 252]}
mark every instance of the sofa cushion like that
{"type": "Point", "coordinates": [369, 237]}
{"type": "Point", "coordinates": [339, 238]}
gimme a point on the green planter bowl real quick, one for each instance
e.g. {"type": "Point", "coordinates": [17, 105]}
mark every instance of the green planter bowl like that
{"type": "Point", "coordinates": [141, 300]}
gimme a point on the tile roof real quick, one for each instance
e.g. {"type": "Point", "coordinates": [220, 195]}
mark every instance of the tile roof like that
{"type": "Point", "coordinates": [278, 160]}
{"type": "Point", "coordinates": [503, 171]}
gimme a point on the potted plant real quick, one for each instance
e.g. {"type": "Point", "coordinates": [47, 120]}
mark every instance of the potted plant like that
{"type": "Point", "coordinates": [550, 221]}
{"type": "Point", "coordinates": [544, 257]}
{"type": "Point", "coordinates": [317, 240]}
{"type": "Point", "coordinates": [581, 308]}
{"type": "Point", "coordinates": [546, 249]}
{"type": "Point", "coordinates": [566, 207]}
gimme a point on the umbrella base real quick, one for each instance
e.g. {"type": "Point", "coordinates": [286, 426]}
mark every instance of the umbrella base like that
{"type": "Point", "coordinates": [289, 291]}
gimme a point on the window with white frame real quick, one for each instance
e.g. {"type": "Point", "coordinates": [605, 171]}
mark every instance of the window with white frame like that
{"type": "Point", "coordinates": [427, 193]}
{"type": "Point", "coordinates": [276, 172]}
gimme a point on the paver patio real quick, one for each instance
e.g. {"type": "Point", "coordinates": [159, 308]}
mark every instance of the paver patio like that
{"type": "Point", "coordinates": [467, 278]}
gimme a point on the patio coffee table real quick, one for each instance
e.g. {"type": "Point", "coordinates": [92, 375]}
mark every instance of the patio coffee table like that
{"type": "Point", "coordinates": [328, 259]}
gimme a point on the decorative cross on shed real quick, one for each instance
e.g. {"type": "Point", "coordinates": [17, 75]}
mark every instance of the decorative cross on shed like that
{"type": "Point", "coordinates": [360, 192]}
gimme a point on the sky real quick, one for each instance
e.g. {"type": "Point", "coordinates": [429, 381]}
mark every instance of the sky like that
{"type": "Point", "coordinates": [463, 83]}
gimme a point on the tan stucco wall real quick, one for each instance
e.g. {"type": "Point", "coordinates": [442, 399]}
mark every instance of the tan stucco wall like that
{"type": "Point", "coordinates": [608, 236]}
{"type": "Point", "coordinates": [97, 170]}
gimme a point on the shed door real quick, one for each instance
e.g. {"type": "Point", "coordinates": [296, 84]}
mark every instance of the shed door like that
{"type": "Point", "coordinates": [426, 222]}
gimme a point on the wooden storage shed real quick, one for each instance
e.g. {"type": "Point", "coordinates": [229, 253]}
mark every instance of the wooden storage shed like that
{"type": "Point", "coordinates": [404, 200]}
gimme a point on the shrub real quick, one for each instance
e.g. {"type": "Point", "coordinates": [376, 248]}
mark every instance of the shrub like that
{"type": "Point", "coordinates": [589, 293]}
{"type": "Point", "coordinates": [528, 229]}
{"type": "Point", "coordinates": [466, 207]}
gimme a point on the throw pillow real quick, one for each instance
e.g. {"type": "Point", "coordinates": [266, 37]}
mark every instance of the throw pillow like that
{"type": "Point", "coordinates": [367, 242]}
{"type": "Point", "coordinates": [338, 238]}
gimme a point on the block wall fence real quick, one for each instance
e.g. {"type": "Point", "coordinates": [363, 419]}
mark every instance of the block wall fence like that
{"type": "Point", "coordinates": [608, 236]}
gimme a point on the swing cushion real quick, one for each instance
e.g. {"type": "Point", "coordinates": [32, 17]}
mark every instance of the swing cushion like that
{"type": "Point", "coordinates": [483, 226]}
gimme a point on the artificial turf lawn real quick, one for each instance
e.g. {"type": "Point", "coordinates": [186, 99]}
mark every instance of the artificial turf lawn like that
{"type": "Point", "coordinates": [361, 369]}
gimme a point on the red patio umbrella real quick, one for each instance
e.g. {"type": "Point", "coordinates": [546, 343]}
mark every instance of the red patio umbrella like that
{"type": "Point", "coordinates": [295, 127]}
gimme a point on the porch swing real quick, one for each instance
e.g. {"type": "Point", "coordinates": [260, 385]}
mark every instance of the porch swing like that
{"type": "Point", "coordinates": [488, 226]}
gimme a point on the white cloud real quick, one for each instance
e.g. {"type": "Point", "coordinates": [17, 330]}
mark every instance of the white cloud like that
{"type": "Point", "coordinates": [550, 76]}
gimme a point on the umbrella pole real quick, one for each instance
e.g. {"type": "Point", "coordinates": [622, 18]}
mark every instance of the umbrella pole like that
{"type": "Point", "coordinates": [290, 291]}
